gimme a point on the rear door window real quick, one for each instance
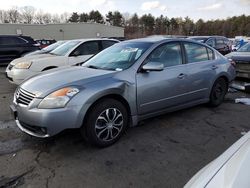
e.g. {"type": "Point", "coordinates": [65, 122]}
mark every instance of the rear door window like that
{"type": "Point", "coordinates": [195, 52]}
{"type": "Point", "coordinates": [107, 43]}
{"type": "Point", "coordinates": [88, 48]}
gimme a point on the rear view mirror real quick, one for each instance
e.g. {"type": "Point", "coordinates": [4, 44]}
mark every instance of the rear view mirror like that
{"type": "Point", "coordinates": [153, 66]}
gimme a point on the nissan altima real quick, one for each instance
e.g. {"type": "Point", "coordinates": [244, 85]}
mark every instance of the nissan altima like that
{"type": "Point", "coordinates": [122, 85]}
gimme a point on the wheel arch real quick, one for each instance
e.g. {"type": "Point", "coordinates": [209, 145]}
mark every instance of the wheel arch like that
{"type": "Point", "coordinates": [224, 76]}
{"type": "Point", "coordinates": [115, 96]}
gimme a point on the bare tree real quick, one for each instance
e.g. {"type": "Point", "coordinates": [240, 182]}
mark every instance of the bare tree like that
{"type": "Point", "coordinates": [55, 18]}
{"type": "Point", "coordinates": [13, 15]}
{"type": "Point", "coordinates": [47, 18]}
{"type": "Point", "coordinates": [64, 17]}
{"type": "Point", "coordinates": [39, 17]}
{"type": "Point", "coordinates": [3, 16]}
{"type": "Point", "coordinates": [28, 14]}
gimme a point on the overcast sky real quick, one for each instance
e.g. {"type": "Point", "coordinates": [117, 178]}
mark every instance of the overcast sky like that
{"type": "Point", "coordinates": [195, 9]}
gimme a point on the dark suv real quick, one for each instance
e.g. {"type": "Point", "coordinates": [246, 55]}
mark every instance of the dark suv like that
{"type": "Point", "coordinates": [13, 46]}
{"type": "Point", "coordinates": [220, 43]}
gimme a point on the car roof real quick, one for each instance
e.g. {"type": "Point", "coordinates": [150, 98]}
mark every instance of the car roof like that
{"type": "Point", "coordinates": [160, 40]}
{"type": "Point", "coordinates": [206, 37]}
{"type": "Point", "coordinates": [91, 39]}
{"type": "Point", "coordinates": [14, 36]}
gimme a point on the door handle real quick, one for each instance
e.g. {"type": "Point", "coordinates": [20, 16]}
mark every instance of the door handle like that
{"type": "Point", "coordinates": [214, 67]}
{"type": "Point", "coordinates": [181, 76]}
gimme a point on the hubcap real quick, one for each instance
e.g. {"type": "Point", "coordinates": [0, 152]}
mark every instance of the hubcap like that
{"type": "Point", "coordinates": [109, 124]}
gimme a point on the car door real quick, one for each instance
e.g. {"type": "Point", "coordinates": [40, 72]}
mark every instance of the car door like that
{"type": "Point", "coordinates": [201, 69]}
{"type": "Point", "coordinates": [157, 90]}
{"type": "Point", "coordinates": [8, 49]}
{"type": "Point", "coordinates": [84, 51]}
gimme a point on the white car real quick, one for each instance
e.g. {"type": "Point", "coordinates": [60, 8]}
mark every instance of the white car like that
{"type": "Point", "coordinates": [229, 170]}
{"type": "Point", "coordinates": [71, 53]}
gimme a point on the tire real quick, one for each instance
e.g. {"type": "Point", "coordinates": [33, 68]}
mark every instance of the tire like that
{"type": "Point", "coordinates": [218, 92]}
{"type": "Point", "coordinates": [105, 123]}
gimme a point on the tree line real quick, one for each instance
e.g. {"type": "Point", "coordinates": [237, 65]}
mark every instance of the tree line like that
{"type": "Point", "coordinates": [149, 25]}
{"type": "Point", "coordinates": [135, 26]}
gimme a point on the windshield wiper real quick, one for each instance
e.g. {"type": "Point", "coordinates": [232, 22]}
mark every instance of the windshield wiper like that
{"type": "Point", "coordinates": [93, 67]}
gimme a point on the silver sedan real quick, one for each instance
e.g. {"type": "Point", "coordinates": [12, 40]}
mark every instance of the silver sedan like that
{"type": "Point", "coordinates": [120, 86]}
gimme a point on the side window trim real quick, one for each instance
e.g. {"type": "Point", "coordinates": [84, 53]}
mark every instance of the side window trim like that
{"type": "Point", "coordinates": [25, 41]}
{"type": "Point", "coordinates": [213, 56]}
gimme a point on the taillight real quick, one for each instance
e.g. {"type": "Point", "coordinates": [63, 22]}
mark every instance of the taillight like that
{"type": "Point", "coordinates": [232, 62]}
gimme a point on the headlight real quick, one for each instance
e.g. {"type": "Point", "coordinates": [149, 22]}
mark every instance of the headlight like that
{"type": "Point", "coordinates": [59, 98]}
{"type": "Point", "coordinates": [23, 65]}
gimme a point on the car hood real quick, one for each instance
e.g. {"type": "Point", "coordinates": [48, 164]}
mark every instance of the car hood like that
{"type": "Point", "coordinates": [38, 52]}
{"type": "Point", "coordinates": [31, 58]}
{"type": "Point", "coordinates": [239, 56]}
{"type": "Point", "coordinates": [52, 80]}
{"type": "Point", "coordinates": [229, 170]}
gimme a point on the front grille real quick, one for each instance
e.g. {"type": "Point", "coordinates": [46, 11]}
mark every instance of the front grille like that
{"type": "Point", "coordinates": [23, 97]}
{"type": "Point", "coordinates": [243, 66]}
{"type": "Point", "coordinates": [10, 66]}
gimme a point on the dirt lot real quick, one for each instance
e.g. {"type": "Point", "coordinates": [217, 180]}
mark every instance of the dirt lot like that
{"type": "Point", "coordinates": [165, 151]}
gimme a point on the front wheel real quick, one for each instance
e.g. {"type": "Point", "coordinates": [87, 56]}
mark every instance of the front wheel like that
{"type": "Point", "coordinates": [105, 123]}
{"type": "Point", "coordinates": [218, 92]}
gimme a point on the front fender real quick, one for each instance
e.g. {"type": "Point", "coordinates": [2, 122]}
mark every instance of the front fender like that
{"type": "Point", "coordinates": [90, 95]}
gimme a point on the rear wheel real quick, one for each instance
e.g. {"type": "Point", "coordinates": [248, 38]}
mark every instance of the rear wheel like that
{"type": "Point", "coordinates": [105, 123]}
{"type": "Point", "coordinates": [218, 92]}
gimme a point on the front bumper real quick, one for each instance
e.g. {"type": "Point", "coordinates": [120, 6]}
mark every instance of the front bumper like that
{"type": "Point", "coordinates": [17, 76]}
{"type": "Point", "coordinates": [44, 123]}
{"type": "Point", "coordinates": [31, 130]}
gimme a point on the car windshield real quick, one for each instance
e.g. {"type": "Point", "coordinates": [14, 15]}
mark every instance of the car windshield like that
{"type": "Point", "coordinates": [199, 39]}
{"type": "Point", "coordinates": [65, 48]}
{"type": "Point", "coordinates": [118, 57]}
{"type": "Point", "coordinates": [245, 48]}
{"type": "Point", "coordinates": [53, 46]}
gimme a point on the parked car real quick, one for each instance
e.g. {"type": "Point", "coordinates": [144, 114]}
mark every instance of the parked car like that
{"type": "Point", "coordinates": [242, 59]}
{"type": "Point", "coordinates": [231, 169]}
{"type": "Point", "coordinates": [45, 42]}
{"type": "Point", "coordinates": [122, 85]}
{"type": "Point", "coordinates": [13, 46]}
{"type": "Point", "coordinates": [46, 49]}
{"type": "Point", "coordinates": [71, 53]}
{"type": "Point", "coordinates": [220, 43]}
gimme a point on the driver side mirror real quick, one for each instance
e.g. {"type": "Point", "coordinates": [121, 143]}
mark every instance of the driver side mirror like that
{"type": "Point", "coordinates": [153, 66]}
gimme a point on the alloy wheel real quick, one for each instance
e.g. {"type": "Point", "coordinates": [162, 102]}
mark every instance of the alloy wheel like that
{"type": "Point", "coordinates": [109, 124]}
